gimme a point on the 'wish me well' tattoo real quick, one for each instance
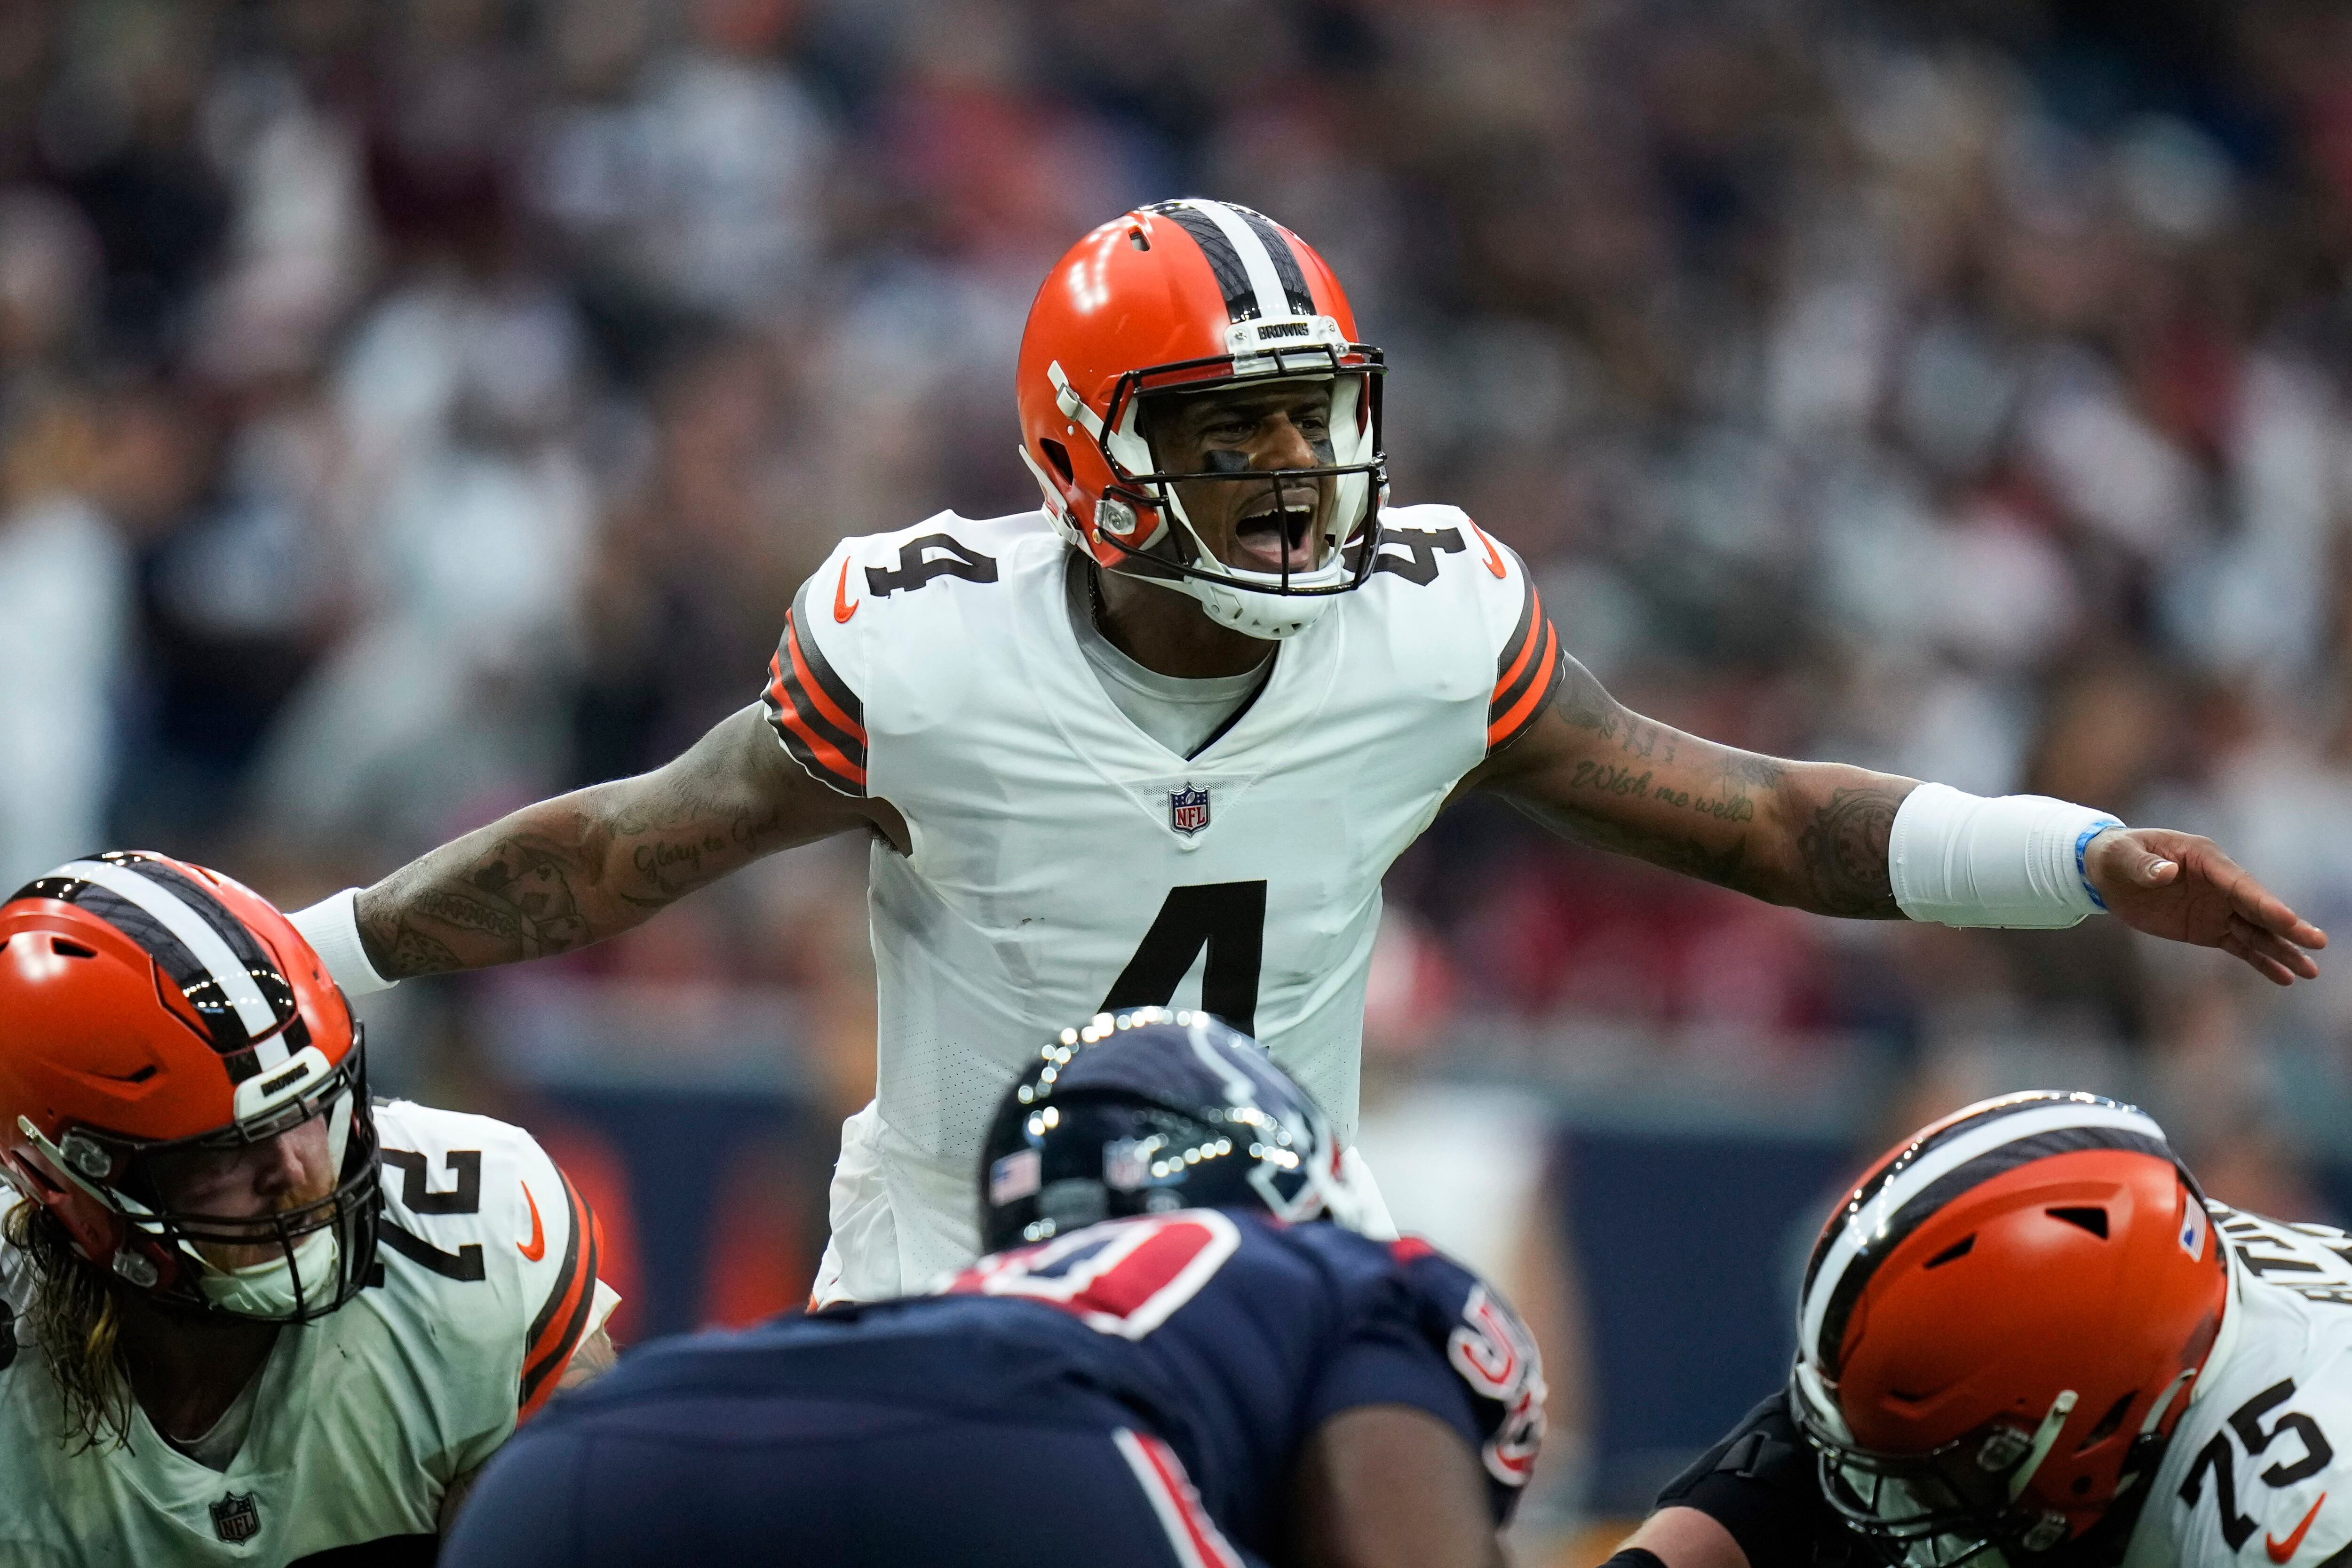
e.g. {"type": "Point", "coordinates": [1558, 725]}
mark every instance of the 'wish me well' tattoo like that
{"type": "Point", "coordinates": [1728, 796]}
{"type": "Point", "coordinates": [1826, 850]}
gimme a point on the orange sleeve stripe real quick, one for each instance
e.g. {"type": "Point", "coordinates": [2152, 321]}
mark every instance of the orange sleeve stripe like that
{"type": "Point", "coordinates": [826, 754]}
{"type": "Point", "coordinates": [1526, 644]}
{"type": "Point", "coordinates": [1532, 699]}
{"type": "Point", "coordinates": [548, 1332]}
{"type": "Point", "coordinates": [809, 683]}
{"type": "Point", "coordinates": [563, 1322]}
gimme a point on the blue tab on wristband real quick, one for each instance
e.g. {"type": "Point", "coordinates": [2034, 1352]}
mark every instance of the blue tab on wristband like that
{"type": "Point", "coordinates": [2082, 853]}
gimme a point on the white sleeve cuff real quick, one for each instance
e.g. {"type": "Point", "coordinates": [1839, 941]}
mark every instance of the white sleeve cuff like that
{"type": "Point", "coordinates": [331, 926]}
{"type": "Point", "coordinates": [1961, 859]}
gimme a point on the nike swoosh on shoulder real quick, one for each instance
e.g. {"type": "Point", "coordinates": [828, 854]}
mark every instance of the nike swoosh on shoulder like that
{"type": "Point", "coordinates": [1494, 561]}
{"type": "Point", "coordinates": [842, 607]}
{"type": "Point", "coordinates": [536, 1248]}
{"type": "Point", "coordinates": [2281, 1551]}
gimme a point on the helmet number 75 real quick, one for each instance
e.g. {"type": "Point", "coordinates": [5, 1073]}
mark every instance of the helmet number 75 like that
{"type": "Point", "coordinates": [2246, 1421]}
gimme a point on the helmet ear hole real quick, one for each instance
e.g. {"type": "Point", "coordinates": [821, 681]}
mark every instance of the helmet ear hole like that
{"type": "Point", "coordinates": [2094, 1220]}
{"type": "Point", "coordinates": [2107, 1428]}
{"type": "Point", "coordinates": [1953, 1253]}
{"type": "Point", "coordinates": [1059, 455]}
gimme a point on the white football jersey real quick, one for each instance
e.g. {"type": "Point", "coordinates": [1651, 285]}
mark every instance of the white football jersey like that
{"type": "Point", "coordinates": [1062, 861]}
{"type": "Point", "coordinates": [2266, 1443]}
{"type": "Point", "coordinates": [361, 1419]}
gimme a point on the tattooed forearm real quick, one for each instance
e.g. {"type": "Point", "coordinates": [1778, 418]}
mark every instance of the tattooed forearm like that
{"type": "Point", "coordinates": [1843, 847]}
{"type": "Point", "coordinates": [513, 897]}
{"type": "Point", "coordinates": [578, 868]}
{"type": "Point", "coordinates": [1812, 834]}
{"type": "Point", "coordinates": [1584, 702]}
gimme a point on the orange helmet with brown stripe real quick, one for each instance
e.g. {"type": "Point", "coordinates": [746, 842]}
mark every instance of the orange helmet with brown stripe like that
{"type": "Point", "coordinates": [150, 1008]}
{"type": "Point", "coordinates": [1192, 296]}
{"type": "Point", "coordinates": [2001, 1327]}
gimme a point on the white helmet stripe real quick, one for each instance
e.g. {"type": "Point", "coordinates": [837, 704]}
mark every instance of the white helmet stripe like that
{"type": "Point", "coordinates": [196, 934]}
{"type": "Point", "coordinates": [1875, 1221]}
{"type": "Point", "coordinates": [1273, 301]}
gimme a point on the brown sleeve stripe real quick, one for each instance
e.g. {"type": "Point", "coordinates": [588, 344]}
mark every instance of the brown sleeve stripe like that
{"type": "Point", "coordinates": [562, 1321]}
{"type": "Point", "coordinates": [1504, 727]}
{"type": "Point", "coordinates": [841, 702]}
{"type": "Point", "coordinates": [1527, 672]}
{"type": "Point", "coordinates": [818, 717]}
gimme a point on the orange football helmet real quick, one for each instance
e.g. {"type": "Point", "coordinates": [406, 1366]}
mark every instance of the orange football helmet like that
{"type": "Point", "coordinates": [1191, 296]}
{"type": "Point", "coordinates": [2001, 1326]}
{"type": "Point", "coordinates": [148, 1008]}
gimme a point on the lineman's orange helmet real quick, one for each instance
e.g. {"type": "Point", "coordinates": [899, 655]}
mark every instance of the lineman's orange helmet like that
{"type": "Point", "coordinates": [149, 1008]}
{"type": "Point", "coordinates": [2001, 1326]}
{"type": "Point", "coordinates": [1191, 296]}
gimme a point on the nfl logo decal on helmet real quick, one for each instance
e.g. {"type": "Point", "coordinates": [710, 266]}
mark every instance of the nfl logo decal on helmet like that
{"type": "Point", "coordinates": [1188, 810]}
{"type": "Point", "coordinates": [237, 1518]}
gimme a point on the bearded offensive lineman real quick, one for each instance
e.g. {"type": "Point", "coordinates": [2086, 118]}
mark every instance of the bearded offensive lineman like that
{"type": "Point", "coordinates": [246, 1315]}
{"type": "Point", "coordinates": [2028, 1339]}
{"type": "Point", "coordinates": [1159, 740]}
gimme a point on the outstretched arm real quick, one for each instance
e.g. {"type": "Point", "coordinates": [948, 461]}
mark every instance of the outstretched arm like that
{"type": "Point", "coordinates": [1815, 835]}
{"type": "Point", "coordinates": [588, 865]}
{"type": "Point", "coordinates": [1812, 835]}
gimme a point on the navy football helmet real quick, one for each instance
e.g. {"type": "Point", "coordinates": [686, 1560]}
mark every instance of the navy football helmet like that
{"type": "Point", "coordinates": [1147, 1110]}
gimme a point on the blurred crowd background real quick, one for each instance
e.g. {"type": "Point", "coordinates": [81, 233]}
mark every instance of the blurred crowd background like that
{"type": "Point", "coordinates": [412, 408]}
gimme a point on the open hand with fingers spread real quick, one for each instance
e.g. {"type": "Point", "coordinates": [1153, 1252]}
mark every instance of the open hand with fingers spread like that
{"type": "Point", "coordinates": [2180, 886]}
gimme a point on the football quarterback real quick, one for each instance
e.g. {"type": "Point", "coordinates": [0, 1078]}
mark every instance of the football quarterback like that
{"type": "Point", "coordinates": [2027, 1337]}
{"type": "Point", "coordinates": [1167, 1360]}
{"type": "Point", "coordinates": [1159, 740]}
{"type": "Point", "coordinates": [246, 1315]}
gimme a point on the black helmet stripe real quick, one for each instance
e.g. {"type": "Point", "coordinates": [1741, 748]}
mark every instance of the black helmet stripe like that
{"type": "Point", "coordinates": [170, 953]}
{"type": "Point", "coordinates": [247, 947]}
{"type": "Point", "coordinates": [1843, 1264]}
{"type": "Point", "coordinates": [230, 978]}
{"type": "Point", "coordinates": [1224, 261]}
{"type": "Point", "coordinates": [1909, 1158]}
{"type": "Point", "coordinates": [1253, 266]}
{"type": "Point", "coordinates": [1286, 264]}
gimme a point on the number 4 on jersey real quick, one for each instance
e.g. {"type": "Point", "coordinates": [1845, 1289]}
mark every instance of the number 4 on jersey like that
{"type": "Point", "coordinates": [1226, 917]}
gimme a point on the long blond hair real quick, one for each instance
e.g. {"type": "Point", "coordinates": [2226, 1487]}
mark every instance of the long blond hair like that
{"type": "Point", "coordinates": [75, 1316]}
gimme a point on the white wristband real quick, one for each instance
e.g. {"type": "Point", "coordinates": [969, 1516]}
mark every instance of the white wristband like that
{"type": "Point", "coordinates": [1961, 859]}
{"type": "Point", "coordinates": [331, 926]}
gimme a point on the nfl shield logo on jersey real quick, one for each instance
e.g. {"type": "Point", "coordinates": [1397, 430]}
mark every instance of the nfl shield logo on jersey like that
{"type": "Point", "coordinates": [236, 1519]}
{"type": "Point", "coordinates": [1188, 810]}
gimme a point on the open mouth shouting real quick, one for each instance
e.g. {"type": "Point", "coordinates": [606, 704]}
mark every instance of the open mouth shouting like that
{"type": "Point", "coordinates": [1277, 532]}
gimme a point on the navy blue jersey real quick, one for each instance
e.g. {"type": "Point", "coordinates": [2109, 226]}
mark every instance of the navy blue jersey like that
{"type": "Point", "coordinates": [1224, 1333]}
{"type": "Point", "coordinates": [1234, 1337]}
